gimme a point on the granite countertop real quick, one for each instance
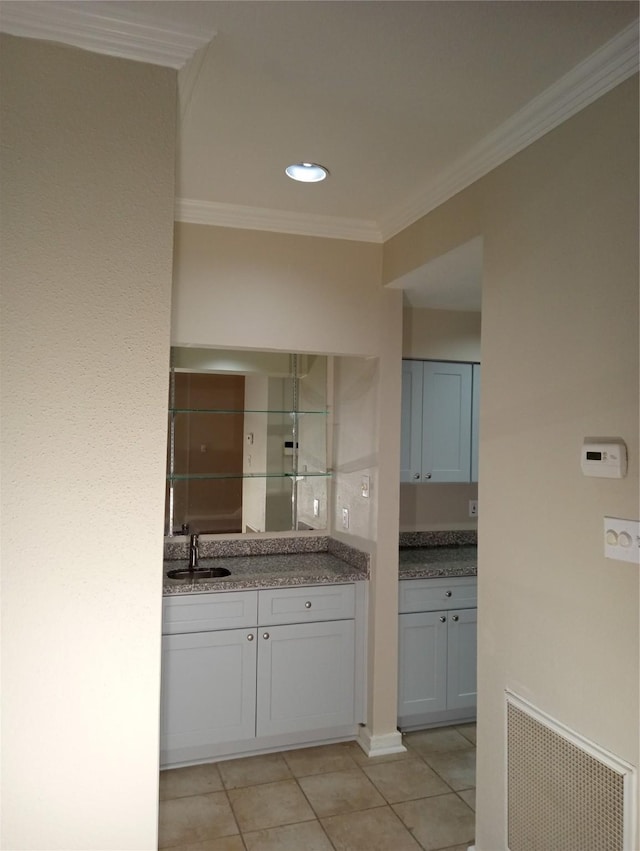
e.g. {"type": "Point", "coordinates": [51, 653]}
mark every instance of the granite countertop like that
{"type": "Point", "coordinates": [315, 560]}
{"type": "Point", "coordinates": [266, 571]}
{"type": "Point", "coordinates": [432, 562]}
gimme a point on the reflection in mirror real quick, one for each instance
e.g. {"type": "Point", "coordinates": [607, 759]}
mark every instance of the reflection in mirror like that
{"type": "Point", "coordinates": [247, 443]}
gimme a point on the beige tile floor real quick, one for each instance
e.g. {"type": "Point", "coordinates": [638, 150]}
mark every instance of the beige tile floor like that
{"type": "Point", "coordinates": [330, 798]}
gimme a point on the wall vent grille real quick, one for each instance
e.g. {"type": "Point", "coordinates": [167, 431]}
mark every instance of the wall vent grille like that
{"type": "Point", "coordinates": [563, 793]}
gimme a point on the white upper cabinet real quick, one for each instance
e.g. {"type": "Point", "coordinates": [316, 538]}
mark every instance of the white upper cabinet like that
{"type": "Point", "coordinates": [475, 420]}
{"type": "Point", "coordinates": [446, 422]}
{"type": "Point", "coordinates": [437, 422]}
{"type": "Point", "coordinates": [411, 421]}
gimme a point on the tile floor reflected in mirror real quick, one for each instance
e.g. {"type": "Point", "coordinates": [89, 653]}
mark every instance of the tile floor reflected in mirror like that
{"type": "Point", "coordinates": [328, 798]}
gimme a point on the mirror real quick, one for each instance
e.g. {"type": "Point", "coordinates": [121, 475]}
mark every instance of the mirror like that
{"type": "Point", "coordinates": [247, 442]}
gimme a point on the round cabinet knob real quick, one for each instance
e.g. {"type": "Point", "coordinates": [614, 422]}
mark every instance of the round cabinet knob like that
{"type": "Point", "coordinates": [454, 618]}
{"type": "Point", "coordinates": [250, 637]}
{"type": "Point", "coordinates": [447, 593]}
{"type": "Point", "coordinates": [416, 475]}
{"type": "Point", "coordinates": [266, 635]}
{"type": "Point", "coordinates": [427, 475]}
{"type": "Point", "coordinates": [443, 619]}
{"type": "Point", "coordinates": [307, 605]}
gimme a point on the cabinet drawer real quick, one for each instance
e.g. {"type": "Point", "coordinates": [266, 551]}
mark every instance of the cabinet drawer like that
{"type": "Point", "coordinates": [204, 612]}
{"type": "Point", "coordinates": [301, 605]}
{"type": "Point", "coordinates": [428, 595]}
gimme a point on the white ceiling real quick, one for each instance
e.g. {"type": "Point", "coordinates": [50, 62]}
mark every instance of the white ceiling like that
{"type": "Point", "coordinates": [404, 102]}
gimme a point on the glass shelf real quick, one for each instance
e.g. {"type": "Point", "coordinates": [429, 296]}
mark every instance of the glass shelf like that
{"type": "Point", "coordinates": [186, 477]}
{"type": "Point", "coordinates": [240, 411]}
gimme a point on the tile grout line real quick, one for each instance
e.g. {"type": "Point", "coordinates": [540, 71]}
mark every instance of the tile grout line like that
{"type": "Point", "coordinates": [420, 797]}
{"type": "Point", "coordinates": [233, 812]}
{"type": "Point", "coordinates": [315, 813]}
{"type": "Point", "coordinates": [435, 770]}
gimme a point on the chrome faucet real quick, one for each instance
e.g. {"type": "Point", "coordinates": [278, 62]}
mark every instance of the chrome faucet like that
{"type": "Point", "coordinates": [193, 552]}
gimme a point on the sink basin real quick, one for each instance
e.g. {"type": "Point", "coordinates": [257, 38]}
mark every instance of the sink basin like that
{"type": "Point", "coordinates": [198, 573]}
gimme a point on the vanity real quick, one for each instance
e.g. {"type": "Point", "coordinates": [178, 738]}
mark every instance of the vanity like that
{"type": "Point", "coordinates": [269, 657]}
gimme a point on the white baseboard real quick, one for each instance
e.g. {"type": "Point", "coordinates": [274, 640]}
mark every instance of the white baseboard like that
{"type": "Point", "coordinates": [382, 745]}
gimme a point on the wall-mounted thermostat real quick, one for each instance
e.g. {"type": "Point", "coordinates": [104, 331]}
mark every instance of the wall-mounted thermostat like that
{"type": "Point", "coordinates": [605, 457]}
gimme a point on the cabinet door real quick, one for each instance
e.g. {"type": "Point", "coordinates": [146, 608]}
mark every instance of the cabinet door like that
{"type": "Point", "coordinates": [446, 422]}
{"type": "Point", "coordinates": [411, 422]}
{"type": "Point", "coordinates": [475, 421]}
{"type": "Point", "coordinates": [422, 666]}
{"type": "Point", "coordinates": [461, 659]}
{"type": "Point", "coordinates": [306, 677]}
{"type": "Point", "coordinates": [208, 690]}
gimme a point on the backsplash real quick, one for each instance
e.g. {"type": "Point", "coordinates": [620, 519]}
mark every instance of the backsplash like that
{"type": "Point", "coordinates": [174, 550]}
{"type": "Point", "coordinates": [248, 547]}
{"type": "Point", "coordinates": [459, 537]}
{"type": "Point", "coordinates": [356, 558]}
{"type": "Point", "coordinates": [225, 548]}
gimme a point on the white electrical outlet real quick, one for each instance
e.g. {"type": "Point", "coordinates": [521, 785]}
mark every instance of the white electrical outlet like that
{"type": "Point", "coordinates": [473, 508]}
{"type": "Point", "coordinates": [365, 486]}
{"type": "Point", "coordinates": [345, 518]}
{"type": "Point", "coordinates": [316, 508]}
{"type": "Point", "coordinates": [622, 539]}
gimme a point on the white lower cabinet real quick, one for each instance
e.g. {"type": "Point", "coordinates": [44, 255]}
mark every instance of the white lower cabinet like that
{"type": "Point", "coordinates": [461, 659]}
{"type": "Point", "coordinates": [305, 677]}
{"type": "Point", "coordinates": [422, 665]}
{"type": "Point", "coordinates": [227, 691]}
{"type": "Point", "coordinates": [437, 652]}
{"type": "Point", "coordinates": [208, 688]}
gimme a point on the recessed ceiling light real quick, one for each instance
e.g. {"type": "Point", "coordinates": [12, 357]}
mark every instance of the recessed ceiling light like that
{"type": "Point", "coordinates": [306, 172]}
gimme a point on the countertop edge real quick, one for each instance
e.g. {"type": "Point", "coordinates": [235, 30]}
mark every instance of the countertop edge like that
{"type": "Point", "coordinates": [261, 584]}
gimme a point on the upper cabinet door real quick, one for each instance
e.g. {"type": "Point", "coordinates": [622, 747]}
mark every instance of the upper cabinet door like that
{"type": "Point", "coordinates": [446, 422]}
{"type": "Point", "coordinates": [411, 433]}
{"type": "Point", "coordinates": [475, 421]}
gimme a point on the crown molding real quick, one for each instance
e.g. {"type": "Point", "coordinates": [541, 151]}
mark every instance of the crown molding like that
{"type": "Point", "coordinates": [610, 65]}
{"type": "Point", "coordinates": [281, 221]}
{"type": "Point", "coordinates": [104, 29]}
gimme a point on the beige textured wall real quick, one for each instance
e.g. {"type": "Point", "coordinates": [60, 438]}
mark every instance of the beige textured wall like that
{"type": "Point", "coordinates": [87, 209]}
{"type": "Point", "coordinates": [250, 289]}
{"type": "Point", "coordinates": [440, 505]}
{"type": "Point", "coordinates": [558, 623]}
{"type": "Point", "coordinates": [441, 334]}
